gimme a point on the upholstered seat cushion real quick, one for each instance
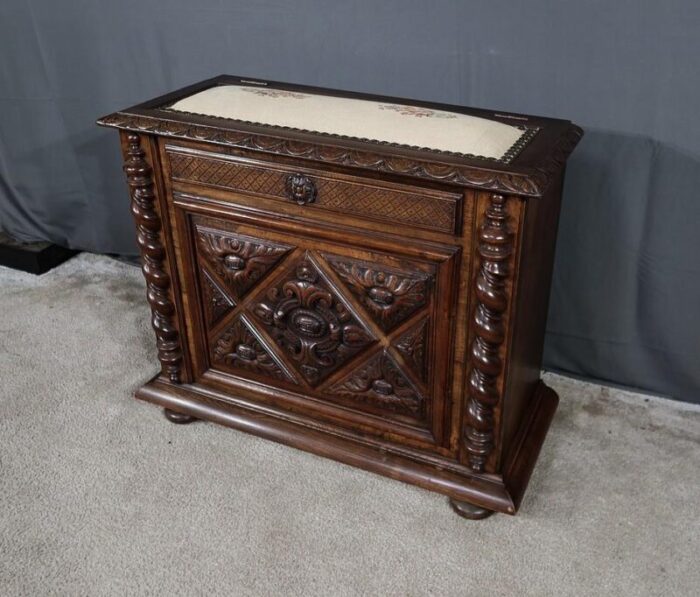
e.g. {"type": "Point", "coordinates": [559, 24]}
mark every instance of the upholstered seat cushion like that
{"type": "Point", "coordinates": [401, 124]}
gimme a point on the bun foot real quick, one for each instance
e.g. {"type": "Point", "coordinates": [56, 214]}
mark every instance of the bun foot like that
{"type": "Point", "coordinates": [470, 511]}
{"type": "Point", "coordinates": [178, 418]}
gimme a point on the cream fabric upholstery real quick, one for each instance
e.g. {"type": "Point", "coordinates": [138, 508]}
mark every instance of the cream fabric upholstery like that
{"type": "Point", "coordinates": [361, 119]}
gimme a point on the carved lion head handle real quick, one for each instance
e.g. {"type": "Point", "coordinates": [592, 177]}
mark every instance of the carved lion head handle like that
{"type": "Point", "coordinates": [300, 188]}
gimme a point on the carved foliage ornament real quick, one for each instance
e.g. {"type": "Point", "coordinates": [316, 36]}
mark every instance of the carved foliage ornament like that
{"type": "Point", "coordinates": [389, 296]}
{"type": "Point", "coordinates": [238, 260]}
{"type": "Point", "coordinates": [495, 249]}
{"type": "Point", "coordinates": [529, 184]}
{"type": "Point", "coordinates": [310, 323]}
{"type": "Point", "coordinates": [148, 227]}
{"type": "Point", "coordinates": [239, 348]}
{"type": "Point", "coordinates": [380, 383]}
{"type": "Point", "coordinates": [216, 302]}
{"type": "Point", "coordinates": [412, 346]}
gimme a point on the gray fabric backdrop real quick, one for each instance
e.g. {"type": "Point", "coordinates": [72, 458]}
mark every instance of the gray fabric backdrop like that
{"type": "Point", "coordinates": [626, 294]}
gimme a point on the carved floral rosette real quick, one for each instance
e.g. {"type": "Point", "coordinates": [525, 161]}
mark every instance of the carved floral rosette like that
{"type": "Point", "coordinates": [310, 324]}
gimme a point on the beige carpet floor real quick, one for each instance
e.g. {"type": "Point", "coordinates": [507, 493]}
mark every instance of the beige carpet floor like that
{"type": "Point", "coordinates": [99, 495]}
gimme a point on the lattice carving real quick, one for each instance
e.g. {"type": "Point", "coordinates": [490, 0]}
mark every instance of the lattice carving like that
{"type": "Point", "coordinates": [495, 249]}
{"type": "Point", "coordinates": [379, 382]}
{"type": "Point", "coordinates": [390, 296]}
{"type": "Point", "coordinates": [240, 261]}
{"type": "Point", "coordinates": [427, 211]}
{"type": "Point", "coordinates": [239, 347]}
{"type": "Point", "coordinates": [412, 345]}
{"type": "Point", "coordinates": [227, 174]}
{"type": "Point", "coordinates": [310, 323]}
{"type": "Point", "coordinates": [139, 176]}
{"type": "Point", "coordinates": [216, 302]}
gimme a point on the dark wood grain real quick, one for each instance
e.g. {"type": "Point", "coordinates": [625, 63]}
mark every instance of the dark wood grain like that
{"type": "Point", "coordinates": [388, 202]}
{"type": "Point", "coordinates": [495, 249]}
{"type": "Point", "coordinates": [139, 174]}
{"type": "Point", "coordinates": [470, 511]}
{"type": "Point", "coordinates": [177, 417]}
{"type": "Point", "coordinates": [377, 305]}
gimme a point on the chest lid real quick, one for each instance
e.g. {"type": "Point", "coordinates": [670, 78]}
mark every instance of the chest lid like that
{"type": "Point", "coordinates": [402, 124]}
{"type": "Point", "coordinates": [505, 152]}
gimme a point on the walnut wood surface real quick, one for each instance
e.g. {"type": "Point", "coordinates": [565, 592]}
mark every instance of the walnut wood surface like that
{"type": "Point", "coordinates": [371, 305]}
{"type": "Point", "coordinates": [391, 203]}
{"type": "Point", "coordinates": [470, 511]}
{"type": "Point", "coordinates": [177, 417]}
{"type": "Point", "coordinates": [495, 248]}
{"type": "Point", "coordinates": [139, 176]}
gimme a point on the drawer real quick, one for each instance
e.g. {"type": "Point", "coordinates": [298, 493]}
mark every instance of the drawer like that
{"type": "Point", "coordinates": [341, 330]}
{"type": "Point", "coordinates": [408, 205]}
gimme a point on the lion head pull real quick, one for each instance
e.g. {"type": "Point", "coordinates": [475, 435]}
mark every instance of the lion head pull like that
{"type": "Point", "coordinates": [300, 188]}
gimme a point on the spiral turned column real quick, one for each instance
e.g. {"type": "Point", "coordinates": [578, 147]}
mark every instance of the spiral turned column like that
{"type": "Point", "coordinates": [494, 249]}
{"type": "Point", "coordinates": [139, 175]}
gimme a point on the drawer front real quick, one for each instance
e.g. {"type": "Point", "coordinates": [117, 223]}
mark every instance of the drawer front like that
{"type": "Point", "coordinates": [334, 328]}
{"type": "Point", "coordinates": [402, 204]}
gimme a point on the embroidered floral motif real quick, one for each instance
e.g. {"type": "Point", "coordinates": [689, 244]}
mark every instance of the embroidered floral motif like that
{"type": "Point", "coordinates": [275, 93]}
{"type": "Point", "coordinates": [416, 111]}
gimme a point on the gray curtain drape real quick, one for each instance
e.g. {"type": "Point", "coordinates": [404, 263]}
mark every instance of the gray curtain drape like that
{"type": "Point", "coordinates": [626, 294]}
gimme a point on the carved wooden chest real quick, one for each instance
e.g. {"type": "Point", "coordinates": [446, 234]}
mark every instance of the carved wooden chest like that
{"type": "Point", "coordinates": [362, 277]}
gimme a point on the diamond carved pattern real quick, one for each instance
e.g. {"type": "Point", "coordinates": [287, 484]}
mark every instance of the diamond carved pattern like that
{"type": "Point", "coordinates": [239, 348]}
{"type": "Point", "coordinates": [298, 322]}
{"type": "Point", "coordinates": [390, 296]}
{"type": "Point", "coordinates": [240, 261]}
{"type": "Point", "coordinates": [310, 323]}
{"type": "Point", "coordinates": [412, 346]}
{"type": "Point", "coordinates": [216, 302]}
{"type": "Point", "coordinates": [379, 382]}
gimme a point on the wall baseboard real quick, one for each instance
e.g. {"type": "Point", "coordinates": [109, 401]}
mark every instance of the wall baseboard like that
{"type": "Point", "coordinates": [35, 257]}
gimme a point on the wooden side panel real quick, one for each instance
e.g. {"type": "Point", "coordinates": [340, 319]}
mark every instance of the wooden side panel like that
{"type": "Point", "coordinates": [531, 304]}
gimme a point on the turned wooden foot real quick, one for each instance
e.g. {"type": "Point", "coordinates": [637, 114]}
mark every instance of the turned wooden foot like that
{"type": "Point", "coordinates": [470, 511]}
{"type": "Point", "coordinates": [178, 418]}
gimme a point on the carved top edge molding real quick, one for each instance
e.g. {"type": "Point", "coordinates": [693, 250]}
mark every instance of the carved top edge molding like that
{"type": "Point", "coordinates": [531, 184]}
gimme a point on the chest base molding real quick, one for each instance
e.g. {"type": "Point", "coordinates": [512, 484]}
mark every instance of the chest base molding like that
{"type": "Point", "coordinates": [498, 493]}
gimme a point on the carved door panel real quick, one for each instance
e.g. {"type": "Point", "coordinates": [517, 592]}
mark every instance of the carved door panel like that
{"type": "Point", "coordinates": [331, 326]}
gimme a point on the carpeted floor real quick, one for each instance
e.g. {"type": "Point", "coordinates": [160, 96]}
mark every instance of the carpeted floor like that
{"type": "Point", "coordinates": [99, 495]}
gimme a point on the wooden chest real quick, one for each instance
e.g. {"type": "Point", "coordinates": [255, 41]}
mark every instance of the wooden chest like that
{"type": "Point", "coordinates": [362, 277]}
